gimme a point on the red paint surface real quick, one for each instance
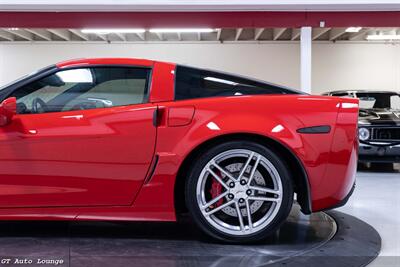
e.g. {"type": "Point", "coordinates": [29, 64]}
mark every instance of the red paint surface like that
{"type": "Point", "coordinates": [105, 61]}
{"type": "Point", "coordinates": [91, 164]}
{"type": "Point", "coordinates": [180, 116]}
{"type": "Point", "coordinates": [197, 19]}
{"type": "Point", "coordinates": [8, 108]}
{"type": "Point", "coordinates": [76, 158]}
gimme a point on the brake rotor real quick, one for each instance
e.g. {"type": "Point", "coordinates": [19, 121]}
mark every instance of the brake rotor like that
{"type": "Point", "coordinates": [254, 205]}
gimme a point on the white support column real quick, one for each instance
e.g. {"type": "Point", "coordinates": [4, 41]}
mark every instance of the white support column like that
{"type": "Point", "coordinates": [305, 58]}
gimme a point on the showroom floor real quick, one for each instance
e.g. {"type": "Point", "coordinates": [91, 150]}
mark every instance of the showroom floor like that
{"type": "Point", "coordinates": [376, 200]}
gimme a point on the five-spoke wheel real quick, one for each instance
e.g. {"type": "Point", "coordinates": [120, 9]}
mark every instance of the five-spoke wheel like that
{"type": "Point", "coordinates": [239, 191]}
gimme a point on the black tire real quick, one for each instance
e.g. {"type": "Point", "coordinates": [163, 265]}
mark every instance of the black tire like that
{"type": "Point", "coordinates": [194, 174]}
{"type": "Point", "coordinates": [382, 166]}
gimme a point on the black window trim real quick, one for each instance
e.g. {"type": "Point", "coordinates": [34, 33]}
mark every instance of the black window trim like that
{"type": "Point", "coordinates": [48, 71]}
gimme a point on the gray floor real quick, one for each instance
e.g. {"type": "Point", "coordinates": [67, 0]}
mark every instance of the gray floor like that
{"type": "Point", "coordinates": [376, 200]}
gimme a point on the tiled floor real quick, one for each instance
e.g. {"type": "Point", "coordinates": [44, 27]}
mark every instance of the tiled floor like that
{"type": "Point", "coordinates": [376, 200]}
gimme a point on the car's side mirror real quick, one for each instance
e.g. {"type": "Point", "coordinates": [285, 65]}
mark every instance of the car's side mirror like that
{"type": "Point", "coordinates": [8, 108]}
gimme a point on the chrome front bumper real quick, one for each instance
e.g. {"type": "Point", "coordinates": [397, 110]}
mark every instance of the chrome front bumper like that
{"type": "Point", "coordinates": [378, 153]}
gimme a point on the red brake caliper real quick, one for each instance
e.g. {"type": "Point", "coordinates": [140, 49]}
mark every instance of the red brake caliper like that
{"type": "Point", "coordinates": [216, 190]}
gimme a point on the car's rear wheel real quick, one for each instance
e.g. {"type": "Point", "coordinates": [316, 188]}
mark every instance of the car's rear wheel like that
{"type": "Point", "coordinates": [239, 191]}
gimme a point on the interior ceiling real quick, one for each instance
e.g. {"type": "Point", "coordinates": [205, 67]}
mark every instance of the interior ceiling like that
{"type": "Point", "coordinates": [219, 35]}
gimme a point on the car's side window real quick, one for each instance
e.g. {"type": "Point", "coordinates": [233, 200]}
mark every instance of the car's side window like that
{"type": "Point", "coordinates": [342, 95]}
{"type": "Point", "coordinates": [84, 88]}
{"type": "Point", "coordinates": [197, 83]}
{"type": "Point", "coordinates": [395, 102]}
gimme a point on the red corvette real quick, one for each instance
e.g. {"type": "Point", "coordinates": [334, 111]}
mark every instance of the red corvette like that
{"type": "Point", "coordinates": [130, 139]}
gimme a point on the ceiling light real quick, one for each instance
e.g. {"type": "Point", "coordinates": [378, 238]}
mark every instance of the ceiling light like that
{"type": "Point", "coordinates": [107, 31]}
{"type": "Point", "coordinates": [353, 29]}
{"type": "Point", "coordinates": [12, 29]}
{"type": "Point", "coordinates": [184, 30]}
{"type": "Point", "coordinates": [383, 37]}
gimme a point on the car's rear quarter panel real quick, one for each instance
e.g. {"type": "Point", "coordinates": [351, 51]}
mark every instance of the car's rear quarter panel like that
{"type": "Point", "coordinates": [329, 165]}
{"type": "Point", "coordinates": [342, 165]}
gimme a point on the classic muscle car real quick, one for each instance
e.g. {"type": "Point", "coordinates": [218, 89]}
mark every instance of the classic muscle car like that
{"type": "Point", "coordinates": [378, 124]}
{"type": "Point", "coordinates": [133, 139]}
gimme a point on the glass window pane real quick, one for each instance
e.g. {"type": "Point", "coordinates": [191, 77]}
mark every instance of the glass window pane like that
{"type": "Point", "coordinates": [196, 83]}
{"type": "Point", "coordinates": [84, 88]}
{"type": "Point", "coordinates": [384, 100]}
{"type": "Point", "coordinates": [395, 102]}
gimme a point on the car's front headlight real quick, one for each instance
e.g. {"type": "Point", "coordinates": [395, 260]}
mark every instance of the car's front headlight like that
{"type": "Point", "coordinates": [363, 134]}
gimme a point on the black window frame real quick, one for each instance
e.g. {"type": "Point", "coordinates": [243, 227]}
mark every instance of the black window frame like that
{"type": "Point", "coordinates": [51, 70]}
{"type": "Point", "coordinates": [342, 94]}
{"type": "Point", "coordinates": [381, 94]}
{"type": "Point", "coordinates": [290, 91]}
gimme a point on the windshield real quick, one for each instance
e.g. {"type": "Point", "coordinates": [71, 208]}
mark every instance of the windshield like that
{"type": "Point", "coordinates": [27, 76]}
{"type": "Point", "coordinates": [379, 100]}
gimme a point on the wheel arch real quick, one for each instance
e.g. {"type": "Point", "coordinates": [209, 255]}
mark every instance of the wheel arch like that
{"type": "Point", "coordinates": [301, 184]}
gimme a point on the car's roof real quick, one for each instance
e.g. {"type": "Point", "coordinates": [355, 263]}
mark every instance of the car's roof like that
{"type": "Point", "coordinates": [362, 91]}
{"type": "Point", "coordinates": [105, 61]}
{"type": "Point", "coordinates": [146, 63]}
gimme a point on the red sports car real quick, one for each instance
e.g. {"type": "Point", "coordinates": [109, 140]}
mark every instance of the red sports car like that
{"type": "Point", "coordinates": [133, 139]}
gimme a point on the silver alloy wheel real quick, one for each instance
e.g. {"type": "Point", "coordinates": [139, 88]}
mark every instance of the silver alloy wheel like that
{"type": "Point", "coordinates": [253, 192]}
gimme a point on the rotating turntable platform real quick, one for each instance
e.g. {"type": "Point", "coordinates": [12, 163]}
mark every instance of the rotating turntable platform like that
{"type": "Point", "coordinates": [322, 239]}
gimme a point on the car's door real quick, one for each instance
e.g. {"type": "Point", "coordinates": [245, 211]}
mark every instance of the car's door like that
{"type": "Point", "coordinates": [82, 137]}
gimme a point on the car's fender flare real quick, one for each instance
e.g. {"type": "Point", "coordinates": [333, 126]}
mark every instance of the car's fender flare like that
{"type": "Point", "coordinates": [301, 182]}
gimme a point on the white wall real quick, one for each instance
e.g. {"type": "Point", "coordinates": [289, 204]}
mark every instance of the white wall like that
{"type": "Point", "coordinates": [356, 66]}
{"type": "Point", "coordinates": [262, 61]}
{"type": "Point", "coordinates": [335, 66]}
